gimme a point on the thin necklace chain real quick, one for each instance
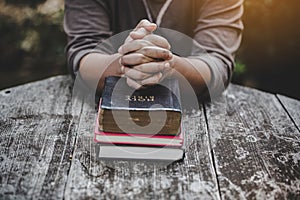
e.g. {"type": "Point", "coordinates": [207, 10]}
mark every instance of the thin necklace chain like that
{"type": "Point", "coordinates": [161, 12]}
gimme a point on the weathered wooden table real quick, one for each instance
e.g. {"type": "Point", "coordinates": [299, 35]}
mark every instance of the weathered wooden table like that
{"type": "Point", "coordinates": [244, 146]}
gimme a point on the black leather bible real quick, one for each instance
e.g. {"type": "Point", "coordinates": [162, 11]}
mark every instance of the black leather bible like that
{"type": "Point", "coordinates": [152, 110]}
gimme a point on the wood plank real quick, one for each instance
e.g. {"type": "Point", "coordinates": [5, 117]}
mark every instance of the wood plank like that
{"type": "Point", "coordinates": [37, 124]}
{"type": "Point", "coordinates": [256, 146]}
{"type": "Point", "coordinates": [192, 178]}
{"type": "Point", "coordinates": [292, 106]}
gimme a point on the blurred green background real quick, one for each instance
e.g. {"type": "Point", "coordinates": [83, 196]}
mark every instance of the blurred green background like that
{"type": "Point", "coordinates": [32, 44]}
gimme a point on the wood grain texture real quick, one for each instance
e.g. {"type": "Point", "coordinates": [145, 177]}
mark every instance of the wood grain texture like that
{"type": "Point", "coordinates": [292, 106]}
{"type": "Point", "coordinates": [192, 178]}
{"type": "Point", "coordinates": [37, 136]}
{"type": "Point", "coordinates": [256, 146]}
{"type": "Point", "coordinates": [251, 149]}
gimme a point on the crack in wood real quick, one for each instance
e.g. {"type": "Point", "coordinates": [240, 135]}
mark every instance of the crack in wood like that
{"type": "Point", "coordinates": [244, 145]}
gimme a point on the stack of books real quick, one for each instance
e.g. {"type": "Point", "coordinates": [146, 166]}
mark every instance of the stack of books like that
{"type": "Point", "coordinates": [139, 124]}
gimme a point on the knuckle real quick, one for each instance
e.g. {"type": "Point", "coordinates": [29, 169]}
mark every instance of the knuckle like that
{"type": "Point", "coordinates": [122, 60]}
{"type": "Point", "coordinates": [160, 52]}
{"type": "Point", "coordinates": [158, 76]}
{"type": "Point", "coordinates": [139, 75]}
{"type": "Point", "coordinates": [144, 21]}
{"type": "Point", "coordinates": [167, 45]}
{"type": "Point", "coordinates": [165, 52]}
{"type": "Point", "coordinates": [143, 76]}
{"type": "Point", "coordinates": [127, 71]}
{"type": "Point", "coordinates": [142, 59]}
{"type": "Point", "coordinates": [145, 50]}
{"type": "Point", "coordinates": [141, 67]}
{"type": "Point", "coordinates": [161, 66]}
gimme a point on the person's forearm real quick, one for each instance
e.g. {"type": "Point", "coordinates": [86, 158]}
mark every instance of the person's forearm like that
{"type": "Point", "coordinates": [94, 67]}
{"type": "Point", "coordinates": [195, 71]}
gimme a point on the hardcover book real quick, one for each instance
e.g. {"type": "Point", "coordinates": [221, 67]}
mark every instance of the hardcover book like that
{"type": "Point", "coordinates": [123, 110]}
{"type": "Point", "coordinates": [137, 139]}
{"type": "Point", "coordinates": [123, 152]}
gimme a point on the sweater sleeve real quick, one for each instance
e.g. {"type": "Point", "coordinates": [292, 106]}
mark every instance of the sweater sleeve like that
{"type": "Point", "coordinates": [86, 23]}
{"type": "Point", "coordinates": [218, 36]}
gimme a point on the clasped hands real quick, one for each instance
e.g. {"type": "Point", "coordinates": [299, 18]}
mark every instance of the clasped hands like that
{"type": "Point", "coordinates": [145, 58]}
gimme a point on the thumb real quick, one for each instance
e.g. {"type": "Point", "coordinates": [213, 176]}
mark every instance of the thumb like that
{"type": "Point", "coordinates": [142, 29]}
{"type": "Point", "coordinates": [146, 24]}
